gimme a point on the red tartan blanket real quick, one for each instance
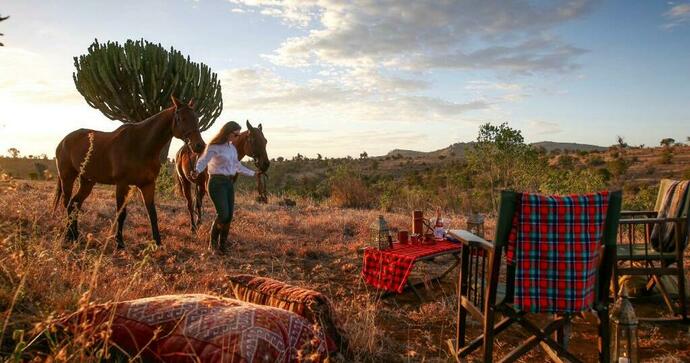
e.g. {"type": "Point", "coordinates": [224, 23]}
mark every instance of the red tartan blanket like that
{"type": "Point", "coordinates": [554, 246]}
{"type": "Point", "coordinates": [389, 269]}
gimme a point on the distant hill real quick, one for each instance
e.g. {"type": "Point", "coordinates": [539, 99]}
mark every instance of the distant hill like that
{"type": "Point", "coordinates": [570, 146]}
{"type": "Point", "coordinates": [406, 153]}
{"type": "Point", "coordinates": [459, 149]}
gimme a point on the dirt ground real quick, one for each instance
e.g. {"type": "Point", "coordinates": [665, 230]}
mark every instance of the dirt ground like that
{"type": "Point", "coordinates": [310, 245]}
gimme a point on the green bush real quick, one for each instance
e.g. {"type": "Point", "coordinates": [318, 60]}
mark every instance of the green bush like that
{"type": "Point", "coordinates": [166, 185]}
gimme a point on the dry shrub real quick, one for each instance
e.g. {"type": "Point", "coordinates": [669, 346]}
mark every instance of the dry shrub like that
{"type": "Point", "coordinates": [349, 191]}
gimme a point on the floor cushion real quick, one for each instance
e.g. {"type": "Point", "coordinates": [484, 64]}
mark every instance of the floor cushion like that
{"type": "Point", "coordinates": [198, 327]}
{"type": "Point", "coordinates": [310, 304]}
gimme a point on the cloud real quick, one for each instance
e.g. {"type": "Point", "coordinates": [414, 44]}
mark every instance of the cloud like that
{"type": "Point", "coordinates": [677, 15]}
{"type": "Point", "coordinates": [357, 95]}
{"type": "Point", "coordinates": [512, 36]}
{"type": "Point", "coordinates": [31, 77]}
{"type": "Point", "coordinates": [544, 127]}
{"type": "Point", "coordinates": [501, 91]}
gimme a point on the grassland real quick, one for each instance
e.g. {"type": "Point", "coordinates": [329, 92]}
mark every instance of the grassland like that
{"type": "Point", "coordinates": [312, 245]}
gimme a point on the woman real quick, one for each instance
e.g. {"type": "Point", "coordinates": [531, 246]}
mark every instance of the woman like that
{"type": "Point", "coordinates": [221, 158]}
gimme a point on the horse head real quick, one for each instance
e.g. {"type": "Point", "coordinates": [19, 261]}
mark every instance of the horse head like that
{"type": "Point", "coordinates": [186, 125]}
{"type": "Point", "coordinates": [256, 146]}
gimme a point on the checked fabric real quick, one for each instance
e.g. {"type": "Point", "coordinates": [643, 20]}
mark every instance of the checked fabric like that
{"type": "Point", "coordinates": [554, 245]}
{"type": "Point", "coordinates": [389, 269]}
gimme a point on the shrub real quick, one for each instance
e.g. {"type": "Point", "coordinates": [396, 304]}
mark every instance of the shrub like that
{"type": "Point", "coordinates": [348, 190]}
{"type": "Point", "coordinates": [165, 182]}
{"type": "Point", "coordinates": [595, 160]}
{"type": "Point", "coordinates": [666, 156]}
{"type": "Point", "coordinates": [640, 198]}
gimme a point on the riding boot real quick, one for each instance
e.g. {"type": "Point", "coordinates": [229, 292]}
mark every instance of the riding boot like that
{"type": "Point", "coordinates": [223, 238]}
{"type": "Point", "coordinates": [215, 232]}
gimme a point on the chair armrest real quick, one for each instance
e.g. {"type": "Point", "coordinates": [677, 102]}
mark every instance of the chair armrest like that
{"type": "Point", "coordinates": [470, 239]}
{"type": "Point", "coordinates": [630, 213]}
{"type": "Point", "coordinates": [652, 220]}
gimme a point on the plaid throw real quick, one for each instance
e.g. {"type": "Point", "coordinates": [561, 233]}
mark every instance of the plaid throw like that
{"type": "Point", "coordinates": [389, 269]}
{"type": "Point", "coordinates": [554, 247]}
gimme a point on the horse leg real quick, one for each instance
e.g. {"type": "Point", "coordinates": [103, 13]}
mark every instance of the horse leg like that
{"type": "Point", "coordinates": [148, 192]}
{"type": "Point", "coordinates": [74, 207]}
{"type": "Point", "coordinates": [120, 197]}
{"type": "Point", "coordinates": [200, 191]}
{"type": "Point", "coordinates": [186, 186]}
{"type": "Point", "coordinates": [67, 184]}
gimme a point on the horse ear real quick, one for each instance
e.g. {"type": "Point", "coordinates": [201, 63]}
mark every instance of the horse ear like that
{"type": "Point", "coordinates": [191, 103]}
{"type": "Point", "coordinates": [175, 101]}
{"type": "Point", "coordinates": [249, 126]}
{"type": "Point", "coordinates": [259, 127]}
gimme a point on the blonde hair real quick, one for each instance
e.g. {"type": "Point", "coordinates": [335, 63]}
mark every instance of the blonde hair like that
{"type": "Point", "coordinates": [223, 135]}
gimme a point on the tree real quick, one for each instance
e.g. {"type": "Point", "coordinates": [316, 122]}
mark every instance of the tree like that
{"type": "Point", "coordinates": [14, 152]}
{"type": "Point", "coordinates": [497, 158]}
{"type": "Point", "coordinates": [134, 81]}
{"type": "Point", "coordinates": [667, 142]}
{"type": "Point", "coordinates": [363, 155]}
{"type": "Point", "coordinates": [2, 19]}
{"type": "Point", "coordinates": [621, 142]}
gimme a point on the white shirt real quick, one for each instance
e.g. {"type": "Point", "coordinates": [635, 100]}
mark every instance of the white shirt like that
{"type": "Point", "coordinates": [222, 159]}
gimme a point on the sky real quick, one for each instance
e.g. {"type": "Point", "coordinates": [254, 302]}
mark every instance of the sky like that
{"type": "Point", "coordinates": [338, 78]}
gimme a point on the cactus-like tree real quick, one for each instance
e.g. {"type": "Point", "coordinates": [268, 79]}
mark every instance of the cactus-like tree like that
{"type": "Point", "coordinates": [134, 81]}
{"type": "Point", "coordinates": [1, 19]}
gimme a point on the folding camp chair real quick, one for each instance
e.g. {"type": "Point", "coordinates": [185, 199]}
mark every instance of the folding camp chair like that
{"type": "Point", "coordinates": [584, 227]}
{"type": "Point", "coordinates": [651, 244]}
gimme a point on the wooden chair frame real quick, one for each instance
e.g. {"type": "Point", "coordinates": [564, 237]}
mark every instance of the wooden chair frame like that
{"type": "Point", "coordinates": [479, 289]}
{"type": "Point", "coordinates": [635, 255]}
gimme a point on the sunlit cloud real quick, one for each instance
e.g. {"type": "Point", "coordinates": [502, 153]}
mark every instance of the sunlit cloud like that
{"type": "Point", "coordinates": [511, 36]}
{"type": "Point", "coordinates": [544, 128]}
{"type": "Point", "coordinates": [357, 95]}
{"type": "Point", "coordinates": [677, 15]}
{"type": "Point", "coordinates": [30, 77]}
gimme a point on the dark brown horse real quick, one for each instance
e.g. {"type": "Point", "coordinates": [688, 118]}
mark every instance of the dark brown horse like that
{"type": "Point", "coordinates": [251, 142]}
{"type": "Point", "coordinates": [130, 155]}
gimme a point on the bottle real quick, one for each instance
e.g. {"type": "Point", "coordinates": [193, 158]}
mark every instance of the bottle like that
{"type": "Point", "coordinates": [439, 232]}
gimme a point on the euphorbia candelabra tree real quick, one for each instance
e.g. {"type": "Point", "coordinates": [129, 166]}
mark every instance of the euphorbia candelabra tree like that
{"type": "Point", "coordinates": [134, 81]}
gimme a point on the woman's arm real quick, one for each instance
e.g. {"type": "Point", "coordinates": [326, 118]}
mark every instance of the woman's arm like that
{"type": "Point", "coordinates": [244, 170]}
{"type": "Point", "coordinates": [205, 158]}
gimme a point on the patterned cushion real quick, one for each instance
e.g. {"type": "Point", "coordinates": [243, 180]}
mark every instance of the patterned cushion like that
{"type": "Point", "coordinates": [310, 304]}
{"type": "Point", "coordinates": [197, 327]}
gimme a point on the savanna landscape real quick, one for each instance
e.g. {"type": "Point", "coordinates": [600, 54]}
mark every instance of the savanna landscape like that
{"type": "Point", "coordinates": [313, 243]}
{"type": "Point", "coordinates": [236, 180]}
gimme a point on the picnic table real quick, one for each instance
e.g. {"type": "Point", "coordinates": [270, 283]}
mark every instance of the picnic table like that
{"type": "Point", "coordinates": [389, 269]}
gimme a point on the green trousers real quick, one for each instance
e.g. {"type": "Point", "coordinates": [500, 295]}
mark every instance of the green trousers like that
{"type": "Point", "coordinates": [222, 192]}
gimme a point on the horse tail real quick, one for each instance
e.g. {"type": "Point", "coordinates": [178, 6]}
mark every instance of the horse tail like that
{"type": "Point", "coordinates": [58, 193]}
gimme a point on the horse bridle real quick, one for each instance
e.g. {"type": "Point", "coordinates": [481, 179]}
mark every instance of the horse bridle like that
{"type": "Point", "coordinates": [185, 135]}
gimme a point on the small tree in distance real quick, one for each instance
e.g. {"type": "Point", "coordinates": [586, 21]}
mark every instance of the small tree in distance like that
{"type": "Point", "coordinates": [2, 19]}
{"type": "Point", "coordinates": [667, 142]}
{"type": "Point", "coordinates": [14, 152]}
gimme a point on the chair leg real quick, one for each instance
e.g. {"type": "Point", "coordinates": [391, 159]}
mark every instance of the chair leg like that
{"type": "Point", "coordinates": [488, 344]}
{"type": "Point", "coordinates": [681, 292]}
{"type": "Point", "coordinates": [604, 335]}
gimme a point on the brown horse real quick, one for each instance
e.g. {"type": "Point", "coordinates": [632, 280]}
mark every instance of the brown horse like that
{"type": "Point", "coordinates": [130, 155]}
{"type": "Point", "coordinates": [251, 142]}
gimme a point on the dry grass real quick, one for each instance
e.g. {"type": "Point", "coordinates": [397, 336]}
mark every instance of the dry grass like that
{"type": "Point", "coordinates": [310, 245]}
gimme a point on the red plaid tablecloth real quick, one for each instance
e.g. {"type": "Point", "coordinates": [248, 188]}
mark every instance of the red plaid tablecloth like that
{"type": "Point", "coordinates": [389, 269]}
{"type": "Point", "coordinates": [554, 246]}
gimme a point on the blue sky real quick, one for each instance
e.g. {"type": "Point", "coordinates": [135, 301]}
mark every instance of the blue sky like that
{"type": "Point", "coordinates": [342, 77]}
